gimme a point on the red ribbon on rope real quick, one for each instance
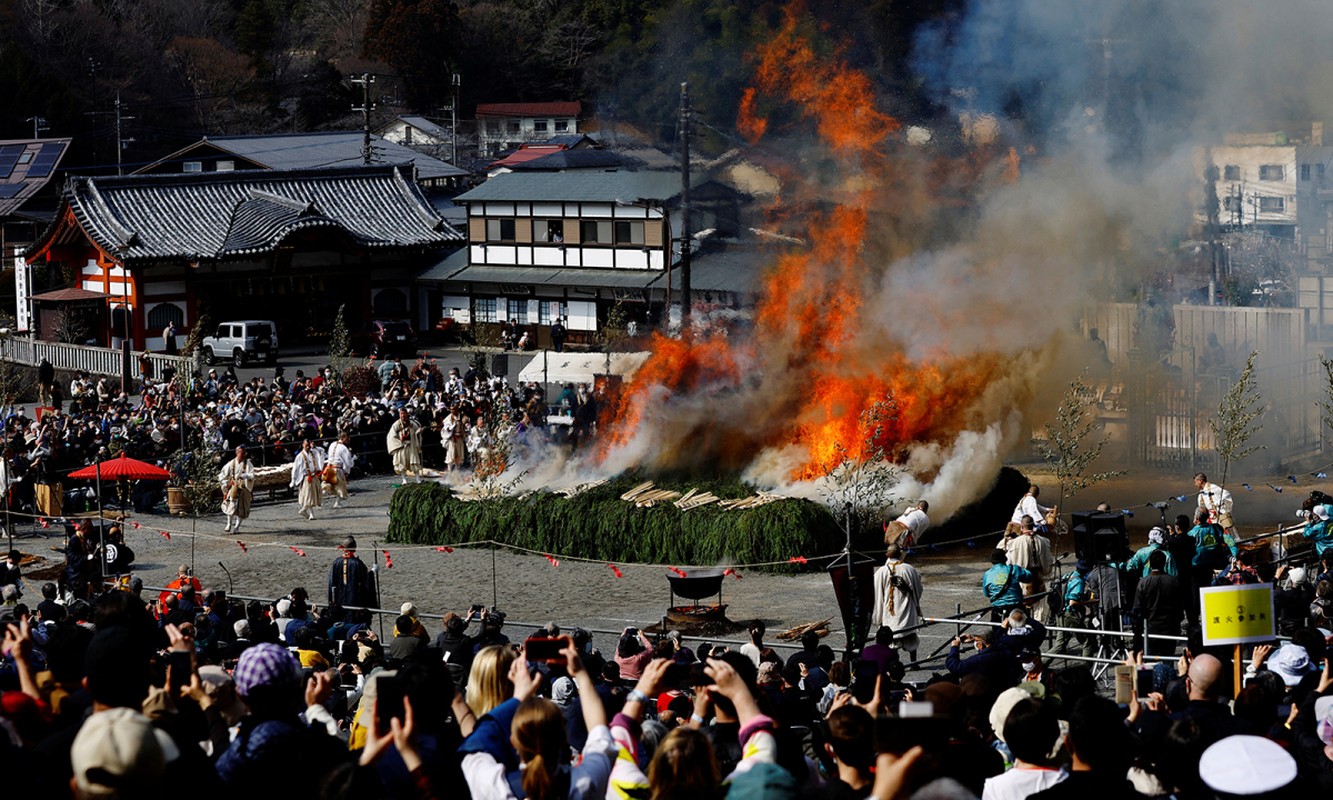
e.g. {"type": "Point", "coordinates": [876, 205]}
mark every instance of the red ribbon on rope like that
{"type": "Point", "coordinates": [732, 572]}
{"type": "Point", "coordinates": [43, 523]}
{"type": "Point", "coordinates": [244, 549]}
{"type": "Point", "coordinates": [443, 549]}
{"type": "Point", "coordinates": [616, 571]}
{"type": "Point", "coordinates": [388, 560]}
{"type": "Point", "coordinates": [797, 559]}
{"type": "Point", "coordinates": [297, 551]}
{"type": "Point", "coordinates": [136, 525]}
{"type": "Point", "coordinates": [555, 562]}
{"type": "Point", "coordinates": [679, 572]}
{"type": "Point", "coordinates": [165, 535]}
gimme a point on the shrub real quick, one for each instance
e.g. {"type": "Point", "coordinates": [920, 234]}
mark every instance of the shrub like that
{"type": "Point", "coordinates": [359, 380]}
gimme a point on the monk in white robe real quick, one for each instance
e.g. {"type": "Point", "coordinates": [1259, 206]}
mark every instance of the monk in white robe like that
{"type": "Point", "coordinates": [238, 486]}
{"type": "Point", "coordinates": [404, 445]}
{"type": "Point", "coordinates": [306, 479]}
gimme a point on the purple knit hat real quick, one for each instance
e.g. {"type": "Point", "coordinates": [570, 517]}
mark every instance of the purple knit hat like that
{"type": "Point", "coordinates": [265, 664]}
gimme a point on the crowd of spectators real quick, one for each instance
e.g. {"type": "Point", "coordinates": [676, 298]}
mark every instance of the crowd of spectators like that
{"type": "Point", "coordinates": [132, 696]}
{"type": "Point", "coordinates": [95, 420]}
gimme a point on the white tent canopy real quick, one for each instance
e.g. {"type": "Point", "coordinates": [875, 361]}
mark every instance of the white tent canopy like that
{"type": "Point", "coordinates": [552, 367]}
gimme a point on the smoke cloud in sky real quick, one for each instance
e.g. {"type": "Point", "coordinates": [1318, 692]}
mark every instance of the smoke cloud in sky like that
{"type": "Point", "coordinates": [1158, 72]}
{"type": "Point", "coordinates": [970, 324]}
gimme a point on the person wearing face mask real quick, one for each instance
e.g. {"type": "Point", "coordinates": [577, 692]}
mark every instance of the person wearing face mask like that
{"type": "Point", "coordinates": [1033, 668]}
{"type": "Point", "coordinates": [10, 572]}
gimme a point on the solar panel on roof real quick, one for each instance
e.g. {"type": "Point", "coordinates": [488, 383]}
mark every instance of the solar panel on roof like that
{"type": "Point", "coordinates": [46, 159]}
{"type": "Point", "coordinates": [9, 156]}
{"type": "Point", "coordinates": [9, 190]}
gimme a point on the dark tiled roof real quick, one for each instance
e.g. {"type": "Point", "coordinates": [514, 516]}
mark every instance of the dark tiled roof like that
{"type": "Point", "coordinates": [556, 109]}
{"type": "Point", "coordinates": [573, 187]}
{"type": "Point", "coordinates": [26, 165]}
{"type": "Point", "coordinates": [732, 268]}
{"type": "Point", "coordinates": [218, 215]}
{"type": "Point", "coordinates": [320, 149]}
{"type": "Point", "coordinates": [552, 276]}
{"type": "Point", "coordinates": [70, 295]}
{"type": "Point", "coordinates": [426, 126]}
{"type": "Point", "coordinates": [570, 159]}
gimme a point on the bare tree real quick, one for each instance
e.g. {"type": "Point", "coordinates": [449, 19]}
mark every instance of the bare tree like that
{"type": "Point", "coordinates": [859, 481]}
{"type": "Point", "coordinates": [70, 326]}
{"type": "Point", "coordinates": [1236, 422]}
{"type": "Point", "coordinates": [1068, 448]}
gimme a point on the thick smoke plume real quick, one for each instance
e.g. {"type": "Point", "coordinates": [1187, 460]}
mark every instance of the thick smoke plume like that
{"type": "Point", "coordinates": [948, 271]}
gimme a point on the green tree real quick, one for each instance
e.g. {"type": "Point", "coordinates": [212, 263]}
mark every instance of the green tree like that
{"type": "Point", "coordinates": [1068, 448]}
{"type": "Point", "coordinates": [415, 37]}
{"type": "Point", "coordinates": [1237, 419]}
{"type": "Point", "coordinates": [340, 342]}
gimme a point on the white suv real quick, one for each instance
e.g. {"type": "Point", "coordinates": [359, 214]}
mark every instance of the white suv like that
{"type": "Point", "coordinates": [243, 341]}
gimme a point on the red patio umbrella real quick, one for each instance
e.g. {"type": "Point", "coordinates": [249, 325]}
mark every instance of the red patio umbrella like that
{"type": "Point", "coordinates": [122, 467]}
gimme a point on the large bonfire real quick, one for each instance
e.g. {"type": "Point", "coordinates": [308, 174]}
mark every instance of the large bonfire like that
{"type": "Point", "coordinates": [788, 402]}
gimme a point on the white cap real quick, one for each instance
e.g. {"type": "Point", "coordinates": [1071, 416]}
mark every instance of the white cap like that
{"type": "Point", "coordinates": [407, 609]}
{"type": "Point", "coordinates": [119, 752]}
{"type": "Point", "coordinates": [1242, 765]}
{"type": "Point", "coordinates": [1321, 511]}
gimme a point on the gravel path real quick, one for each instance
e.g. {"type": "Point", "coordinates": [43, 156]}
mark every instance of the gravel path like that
{"type": "Point", "coordinates": [527, 587]}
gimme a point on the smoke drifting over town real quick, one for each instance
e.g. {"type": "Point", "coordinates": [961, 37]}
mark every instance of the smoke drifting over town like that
{"type": "Point", "coordinates": [1068, 145]}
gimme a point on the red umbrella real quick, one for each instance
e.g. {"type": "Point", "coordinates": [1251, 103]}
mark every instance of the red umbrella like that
{"type": "Point", "coordinates": [123, 467]}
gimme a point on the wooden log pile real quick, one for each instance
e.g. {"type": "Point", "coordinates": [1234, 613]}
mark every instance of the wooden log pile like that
{"type": "Point", "coordinates": [796, 632]}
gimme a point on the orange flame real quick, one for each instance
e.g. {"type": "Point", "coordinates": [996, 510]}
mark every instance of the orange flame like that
{"type": "Point", "coordinates": [811, 368]}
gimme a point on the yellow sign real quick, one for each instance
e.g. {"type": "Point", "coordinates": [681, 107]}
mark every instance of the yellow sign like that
{"type": "Point", "coordinates": [1237, 614]}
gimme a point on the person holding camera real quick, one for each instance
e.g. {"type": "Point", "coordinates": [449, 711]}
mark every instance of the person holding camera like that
{"type": "Point", "coordinates": [535, 728]}
{"type": "Point", "coordinates": [898, 599]}
{"type": "Point", "coordinates": [1318, 530]}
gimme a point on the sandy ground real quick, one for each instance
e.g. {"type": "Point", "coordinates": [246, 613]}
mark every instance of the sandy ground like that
{"type": "Point", "coordinates": [530, 589]}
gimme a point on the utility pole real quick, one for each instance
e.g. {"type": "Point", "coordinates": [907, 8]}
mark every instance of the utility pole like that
{"type": "Point", "coordinates": [120, 140]}
{"type": "Point", "coordinates": [38, 125]}
{"type": "Point", "coordinates": [453, 118]}
{"type": "Point", "coordinates": [1211, 206]}
{"type": "Point", "coordinates": [365, 82]}
{"type": "Point", "coordinates": [686, 235]}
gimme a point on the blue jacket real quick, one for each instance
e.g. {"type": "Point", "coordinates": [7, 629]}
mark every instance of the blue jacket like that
{"type": "Point", "coordinates": [993, 584]}
{"type": "Point", "coordinates": [1075, 589]}
{"type": "Point", "coordinates": [1209, 539]}
{"type": "Point", "coordinates": [1319, 531]}
{"type": "Point", "coordinates": [1139, 561]}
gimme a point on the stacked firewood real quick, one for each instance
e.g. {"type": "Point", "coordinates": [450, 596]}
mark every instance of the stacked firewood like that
{"type": "Point", "coordinates": [794, 633]}
{"type": "Point", "coordinates": [646, 496]}
{"type": "Point", "coordinates": [574, 491]}
{"type": "Point", "coordinates": [753, 501]}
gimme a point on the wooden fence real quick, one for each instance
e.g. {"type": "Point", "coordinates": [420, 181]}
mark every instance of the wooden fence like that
{"type": "Point", "coordinates": [96, 360]}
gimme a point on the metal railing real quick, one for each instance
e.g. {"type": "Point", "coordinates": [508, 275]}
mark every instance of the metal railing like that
{"type": "Point", "coordinates": [96, 360]}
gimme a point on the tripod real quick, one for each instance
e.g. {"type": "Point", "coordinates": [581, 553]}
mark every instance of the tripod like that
{"type": "Point", "coordinates": [1109, 617]}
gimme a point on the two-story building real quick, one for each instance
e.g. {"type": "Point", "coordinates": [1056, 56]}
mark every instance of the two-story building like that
{"type": "Point", "coordinates": [505, 126]}
{"type": "Point", "coordinates": [580, 244]}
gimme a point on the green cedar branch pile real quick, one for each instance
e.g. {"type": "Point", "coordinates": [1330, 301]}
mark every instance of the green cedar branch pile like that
{"type": "Point", "coordinates": [597, 524]}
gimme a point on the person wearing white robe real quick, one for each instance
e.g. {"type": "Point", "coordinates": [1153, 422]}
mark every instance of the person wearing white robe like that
{"type": "Point", "coordinates": [238, 485]}
{"type": "Point", "coordinates": [897, 599]}
{"type": "Point", "coordinates": [305, 478]}
{"type": "Point", "coordinates": [340, 456]}
{"type": "Point", "coordinates": [404, 444]}
{"type": "Point", "coordinates": [454, 436]}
